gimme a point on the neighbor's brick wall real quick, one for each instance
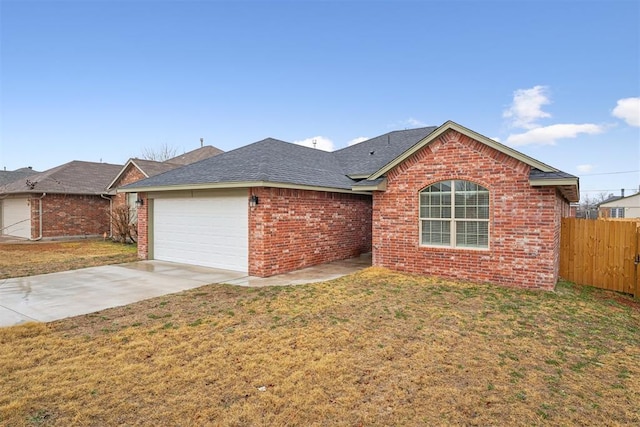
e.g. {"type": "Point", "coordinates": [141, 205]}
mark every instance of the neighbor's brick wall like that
{"type": "Point", "coordinates": [524, 221]}
{"type": "Point", "coordinates": [293, 229]}
{"type": "Point", "coordinates": [143, 227]}
{"type": "Point", "coordinates": [69, 215]}
{"type": "Point", "coordinates": [132, 174]}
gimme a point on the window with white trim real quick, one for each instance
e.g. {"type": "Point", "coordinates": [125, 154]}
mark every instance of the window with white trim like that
{"type": "Point", "coordinates": [617, 213]}
{"type": "Point", "coordinates": [454, 213]}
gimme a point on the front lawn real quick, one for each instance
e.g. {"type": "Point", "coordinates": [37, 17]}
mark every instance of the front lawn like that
{"type": "Point", "coordinates": [375, 348]}
{"type": "Point", "coordinates": [29, 258]}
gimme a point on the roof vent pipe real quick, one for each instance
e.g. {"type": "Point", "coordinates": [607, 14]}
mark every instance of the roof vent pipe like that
{"type": "Point", "coordinates": [622, 192]}
{"type": "Point", "coordinates": [201, 142]}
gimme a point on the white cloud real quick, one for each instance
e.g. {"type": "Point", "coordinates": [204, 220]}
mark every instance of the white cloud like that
{"type": "Point", "coordinates": [414, 122]}
{"type": "Point", "coordinates": [496, 139]}
{"type": "Point", "coordinates": [321, 143]}
{"type": "Point", "coordinates": [526, 107]}
{"type": "Point", "coordinates": [628, 109]}
{"type": "Point", "coordinates": [584, 168]}
{"type": "Point", "coordinates": [357, 140]}
{"type": "Point", "coordinates": [408, 123]}
{"type": "Point", "coordinates": [548, 135]}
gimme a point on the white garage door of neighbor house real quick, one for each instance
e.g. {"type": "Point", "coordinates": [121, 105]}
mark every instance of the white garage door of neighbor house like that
{"type": "Point", "coordinates": [207, 231]}
{"type": "Point", "coordinates": [16, 217]}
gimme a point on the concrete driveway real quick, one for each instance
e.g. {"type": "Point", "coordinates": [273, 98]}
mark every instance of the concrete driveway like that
{"type": "Point", "coordinates": [54, 296]}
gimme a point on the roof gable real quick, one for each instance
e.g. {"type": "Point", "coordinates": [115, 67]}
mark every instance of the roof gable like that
{"type": "Point", "coordinates": [541, 173]}
{"type": "Point", "coordinates": [450, 125]}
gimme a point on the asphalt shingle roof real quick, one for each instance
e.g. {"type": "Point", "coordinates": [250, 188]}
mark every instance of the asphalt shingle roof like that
{"type": "Point", "coordinates": [151, 167]}
{"type": "Point", "coordinates": [538, 174]}
{"type": "Point", "coordinates": [195, 155]}
{"type": "Point", "coordinates": [7, 177]}
{"type": "Point", "coordinates": [275, 161]}
{"type": "Point", "coordinates": [75, 177]}
{"type": "Point", "coordinates": [272, 160]}
{"type": "Point", "coordinates": [369, 156]}
{"type": "Point", "coordinates": [269, 160]}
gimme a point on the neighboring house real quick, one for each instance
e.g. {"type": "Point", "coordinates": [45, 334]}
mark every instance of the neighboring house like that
{"type": "Point", "coordinates": [68, 200]}
{"type": "Point", "coordinates": [137, 169]}
{"type": "Point", "coordinates": [7, 177]}
{"type": "Point", "coordinates": [444, 201]}
{"type": "Point", "coordinates": [620, 207]}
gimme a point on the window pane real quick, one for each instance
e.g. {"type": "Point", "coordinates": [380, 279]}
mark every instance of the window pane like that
{"type": "Point", "coordinates": [436, 232]}
{"type": "Point", "coordinates": [471, 212]}
{"type": "Point", "coordinates": [472, 234]}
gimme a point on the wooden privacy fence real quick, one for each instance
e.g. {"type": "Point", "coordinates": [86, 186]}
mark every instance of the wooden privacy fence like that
{"type": "Point", "coordinates": [604, 254]}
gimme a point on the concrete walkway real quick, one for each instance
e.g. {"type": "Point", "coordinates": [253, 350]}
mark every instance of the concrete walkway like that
{"type": "Point", "coordinates": [54, 296]}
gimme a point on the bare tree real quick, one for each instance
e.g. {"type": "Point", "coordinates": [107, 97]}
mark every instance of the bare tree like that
{"type": "Point", "coordinates": [164, 152]}
{"type": "Point", "coordinates": [589, 205]}
{"type": "Point", "coordinates": [124, 226]}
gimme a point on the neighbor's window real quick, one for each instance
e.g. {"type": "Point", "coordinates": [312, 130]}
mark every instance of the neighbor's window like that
{"type": "Point", "coordinates": [454, 213]}
{"type": "Point", "coordinates": [133, 209]}
{"type": "Point", "coordinates": [617, 213]}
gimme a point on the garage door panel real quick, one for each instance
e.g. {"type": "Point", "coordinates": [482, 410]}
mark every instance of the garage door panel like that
{"type": "Point", "coordinates": [208, 231]}
{"type": "Point", "coordinates": [16, 217]}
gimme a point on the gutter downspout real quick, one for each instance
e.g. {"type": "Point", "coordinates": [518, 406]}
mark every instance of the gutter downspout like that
{"type": "Point", "coordinates": [39, 218]}
{"type": "Point", "coordinates": [110, 213]}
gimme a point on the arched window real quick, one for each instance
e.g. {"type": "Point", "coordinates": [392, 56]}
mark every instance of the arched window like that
{"type": "Point", "coordinates": [454, 213]}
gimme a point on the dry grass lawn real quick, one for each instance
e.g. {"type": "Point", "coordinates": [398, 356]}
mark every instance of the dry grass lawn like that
{"type": "Point", "coordinates": [375, 348]}
{"type": "Point", "coordinates": [29, 258]}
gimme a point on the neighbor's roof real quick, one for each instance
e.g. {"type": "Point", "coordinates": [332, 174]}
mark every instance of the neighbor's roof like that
{"type": "Point", "coordinates": [151, 168]}
{"type": "Point", "coordinates": [618, 199]}
{"type": "Point", "coordinates": [7, 177]}
{"type": "Point", "coordinates": [271, 161]}
{"type": "Point", "coordinates": [75, 177]}
{"type": "Point", "coordinates": [195, 155]}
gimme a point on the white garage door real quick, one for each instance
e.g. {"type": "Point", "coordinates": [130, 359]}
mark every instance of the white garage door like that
{"type": "Point", "coordinates": [16, 217]}
{"type": "Point", "coordinates": [207, 231]}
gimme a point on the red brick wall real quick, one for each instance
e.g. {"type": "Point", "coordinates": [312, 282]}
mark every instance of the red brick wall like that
{"type": "Point", "coordinates": [293, 229]}
{"type": "Point", "coordinates": [69, 215]}
{"type": "Point", "coordinates": [524, 221]}
{"type": "Point", "coordinates": [130, 175]}
{"type": "Point", "coordinates": [143, 227]}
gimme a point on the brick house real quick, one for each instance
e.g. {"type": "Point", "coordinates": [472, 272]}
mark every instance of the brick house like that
{"type": "Point", "coordinates": [136, 169]}
{"type": "Point", "coordinates": [620, 206]}
{"type": "Point", "coordinates": [443, 201]}
{"type": "Point", "coordinates": [73, 200]}
{"type": "Point", "coordinates": [65, 201]}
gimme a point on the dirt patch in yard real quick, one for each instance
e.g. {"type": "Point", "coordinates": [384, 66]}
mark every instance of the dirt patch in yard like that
{"type": "Point", "coordinates": [374, 348]}
{"type": "Point", "coordinates": [30, 258]}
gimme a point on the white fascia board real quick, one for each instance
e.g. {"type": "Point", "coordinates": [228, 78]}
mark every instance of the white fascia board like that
{"type": "Point", "coordinates": [381, 186]}
{"type": "Point", "coordinates": [553, 182]}
{"type": "Point", "coordinates": [246, 184]}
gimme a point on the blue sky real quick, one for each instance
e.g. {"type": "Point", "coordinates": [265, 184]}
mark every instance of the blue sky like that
{"type": "Point", "coordinates": [103, 80]}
